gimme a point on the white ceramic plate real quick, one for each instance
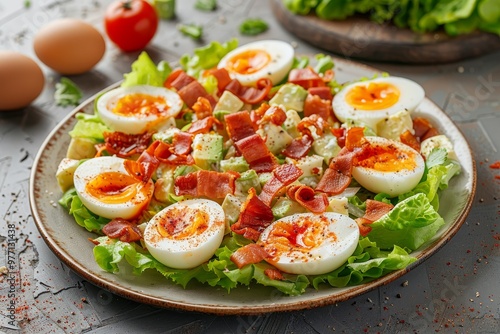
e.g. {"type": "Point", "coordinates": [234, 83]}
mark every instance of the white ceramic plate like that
{"type": "Point", "coordinates": [70, 242]}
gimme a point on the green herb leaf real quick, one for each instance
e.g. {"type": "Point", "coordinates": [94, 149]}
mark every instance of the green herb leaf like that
{"type": "Point", "coordinates": [192, 30]}
{"type": "Point", "coordinates": [206, 5]}
{"type": "Point", "coordinates": [252, 27]}
{"type": "Point", "coordinates": [67, 93]}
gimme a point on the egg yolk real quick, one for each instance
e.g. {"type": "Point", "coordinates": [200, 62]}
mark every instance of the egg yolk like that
{"type": "Point", "coordinates": [248, 62]}
{"type": "Point", "coordinates": [375, 96]}
{"type": "Point", "coordinates": [386, 159]}
{"type": "Point", "coordinates": [183, 222]}
{"type": "Point", "coordinates": [139, 104]}
{"type": "Point", "coordinates": [114, 187]}
{"type": "Point", "coordinates": [302, 235]}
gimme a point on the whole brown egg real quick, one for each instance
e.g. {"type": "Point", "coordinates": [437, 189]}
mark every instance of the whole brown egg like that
{"type": "Point", "coordinates": [21, 80]}
{"type": "Point", "coordinates": [69, 46]}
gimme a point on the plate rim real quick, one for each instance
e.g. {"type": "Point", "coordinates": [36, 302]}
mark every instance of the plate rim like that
{"type": "Point", "coordinates": [219, 309]}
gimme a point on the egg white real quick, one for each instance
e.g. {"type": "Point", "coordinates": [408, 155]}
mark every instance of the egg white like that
{"type": "Point", "coordinates": [336, 238]}
{"type": "Point", "coordinates": [281, 54]}
{"type": "Point", "coordinates": [393, 183]}
{"type": "Point", "coordinates": [411, 94]}
{"type": "Point", "coordinates": [138, 122]}
{"type": "Point", "coordinates": [127, 209]}
{"type": "Point", "coordinates": [192, 249]}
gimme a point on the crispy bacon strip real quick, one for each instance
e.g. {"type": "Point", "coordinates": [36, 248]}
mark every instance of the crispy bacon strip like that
{"type": "Point", "coordinates": [283, 176]}
{"type": "Point", "coordinates": [409, 139]}
{"type": "Point", "coordinates": [313, 120]}
{"type": "Point", "coordinates": [324, 93]}
{"type": "Point", "coordinates": [123, 230]}
{"type": "Point", "coordinates": [340, 133]}
{"type": "Point", "coordinates": [374, 211]}
{"type": "Point", "coordinates": [192, 91]}
{"type": "Point", "coordinates": [206, 183]}
{"type": "Point", "coordinates": [423, 128]}
{"type": "Point", "coordinates": [178, 79]}
{"type": "Point", "coordinates": [315, 105]}
{"type": "Point", "coordinates": [305, 196]}
{"type": "Point", "coordinates": [254, 150]}
{"type": "Point", "coordinates": [239, 125]}
{"type": "Point", "coordinates": [299, 147]}
{"type": "Point", "coordinates": [338, 175]}
{"type": "Point", "coordinates": [257, 114]}
{"type": "Point", "coordinates": [202, 108]}
{"type": "Point", "coordinates": [249, 254]}
{"type": "Point", "coordinates": [203, 125]}
{"type": "Point", "coordinates": [125, 145]}
{"type": "Point", "coordinates": [274, 273]}
{"type": "Point", "coordinates": [222, 76]}
{"type": "Point", "coordinates": [305, 77]}
{"type": "Point", "coordinates": [275, 115]}
{"type": "Point", "coordinates": [250, 95]}
{"type": "Point", "coordinates": [255, 216]}
{"type": "Point", "coordinates": [166, 153]}
{"type": "Point", "coordinates": [181, 143]}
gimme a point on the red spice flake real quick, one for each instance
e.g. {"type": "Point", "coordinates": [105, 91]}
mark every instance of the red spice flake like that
{"type": "Point", "coordinates": [497, 177]}
{"type": "Point", "coordinates": [497, 236]}
{"type": "Point", "coordinates": [495, 165]}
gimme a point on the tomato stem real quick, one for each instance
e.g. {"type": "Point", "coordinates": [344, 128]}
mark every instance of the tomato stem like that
{"type": "Point", "coordinates": [127, 4]}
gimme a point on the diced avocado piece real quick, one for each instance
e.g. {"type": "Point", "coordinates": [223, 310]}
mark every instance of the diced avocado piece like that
{"type": "Point", "coordinates": [393, 126]}
{"type": "Point", "coordinates": [207, 150]}
{"type": "Point", "coordinates": [65, 171]}
{"type": "Point", "coordinates": [184, 170]}
{"type": "Point", "coordinates": [229, 102]}
{"type": "Point", "coordinates": [247, 180]}
{"type": "Point", "coordinates": [264, 178]}
{"type": "Point", "coordinates": [291, 96]}
{"type": "Point", "coordinates": [231, 206]}
{"type": "Point", "coordinates": [166, 135]}
{"type": "Point", "coordinates": [291, 122]}
{"type": "Point", "coordinates": [311, 165]}
{"type": "Point", "coordinates": [285, 207]}
{"type": "Point", "coordinates": [236, 164]}
{"type": "Point", "coordinates": [338, 204]}
{"type": "Point", "coordinates": [440, 141]}
{"type": "Point", "coordinates": [276, 137]}
{"type": "Point", "coordinates": [327, 147]}
{"type": "Point", "coordinates": [164, 186]}
{"type": "Point", "coordinates": [81, 148]}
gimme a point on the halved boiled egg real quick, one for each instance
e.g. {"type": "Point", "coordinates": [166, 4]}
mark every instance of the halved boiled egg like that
{"type": "Point", "coordinates": [372, 101]}
{"type": "Point", "coordinates": [185, 234]}
{"type": "Point", "coordinates": [107, 189]}
{"type": "Point", "coordinates": [262, 59]}
{"type": "Point", "coordinates": [388, 166]}
{"type": "Point", "coordinates": [137, 109]}
{"type": "Point", "coordinates": [310, 244]}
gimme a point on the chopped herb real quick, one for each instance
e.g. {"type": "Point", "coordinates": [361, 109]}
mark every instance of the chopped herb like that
{"type": "Point", "coordinates": [67, 93]}
{"type": "Point", "coordinates": [207, 5]}
{"type": "Point", "coordinates": [253, 27]}
{"type": "Point", "coordinates": [27, 3]}
{"type": "Point", "coordinates": [191, 30]}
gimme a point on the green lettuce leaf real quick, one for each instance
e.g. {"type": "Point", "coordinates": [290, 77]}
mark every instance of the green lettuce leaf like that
{"type": "Point", "coordinates": [67, 93]}
{"type": "Point", "coordinates": [89, 126]}
{"type": "Point", "coordinates": [83, 217]}
{"type": "Point", "coordinates": [145, 72]}
{"type": "Point", "coordinates": [409, 224]}
{"type": "Point", "coordinates": [206, 57]}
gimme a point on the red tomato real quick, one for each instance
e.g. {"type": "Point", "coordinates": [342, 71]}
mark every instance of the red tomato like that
{"type": "Point", "coordinates": [131, 24]}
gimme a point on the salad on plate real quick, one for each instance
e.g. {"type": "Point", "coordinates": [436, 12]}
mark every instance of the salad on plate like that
{"type": "Point", "coordinates": [251, 165]}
